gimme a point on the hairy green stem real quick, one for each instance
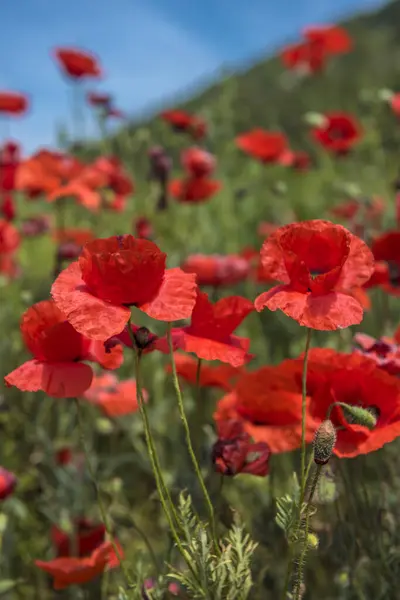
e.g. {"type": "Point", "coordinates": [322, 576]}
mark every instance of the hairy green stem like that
{"type": "Point", "coordinates": [304, 472]}
{"type": "Point", "coordinates": [100, 502]}
{"type": "Point", "coordinates": [198, 374]}
{"type": "Point", "coordinates": [313, 488]}
{"type": "Point", "coordinates": [151, 448]}
{"type": "Point", "coordinates": [189, 441]}
{"type": "Point", "coordinates": [304, 420]}
{"type": "Point", "coordinates": [160, 484]}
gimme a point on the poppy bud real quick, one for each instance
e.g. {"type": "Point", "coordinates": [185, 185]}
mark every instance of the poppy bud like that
{"type": "Point", "coordinates": [314, 119]}
{"type": "Point", "coordinates": [143, 337]}
{"type": "Point", "coordinates": [324, 442]}
{"type": "Point", "coordinates": [312, 541]}
{"type": "Point", "coordinates": [367, 417]}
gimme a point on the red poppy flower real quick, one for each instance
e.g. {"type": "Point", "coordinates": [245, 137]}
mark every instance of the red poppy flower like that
{"type": "Point", "coordinates": [64, 456]}
{"type": "Point", "coordinates": [145, 341]}
{"type": "Point", "coordinates": [58, 351]}
{"type": "Point", "coordinates": [9, 161]}
{"type": "Point", "coordinates": [112, 274]}
{"type": "Point", "coordinates": [116, 398]}
{"type": "Point", "coordinates": [234, 452]}
{"type": "Point", "coordinates": [76, 235]}
{"type": "Point", "coordinates": [88, 538]}
{"type": "Point", "coordinates": [99, 99]}
{"type": "Point", "coordinates": [9, 237]}
{"type": "Point", "coordinates": [395, 104]}
{"type": "Point", "coordinates": [78, 64]}
{"type": "Point", "coordinates": [221, 376]}
{"type": "Point", "coordinates": [266, 146]}
{"type": "Point", "coordinates": [13, 103]}
{"type": "Point", "coordinates": [45, 172]}
{"type": "Point", "coordinates": [217, 270]}
{"type": "Point", "coordinates": [194, 189]}
{"type": "Point", "coordinates": [346, 210]}
{"type": "Point", "coordinates": [105, 175]}
{"type": "Point", "coordinates": [379, 277]}
{"type": "Point", "coordinates": [183, 121]}
{"type": "Point", "coordinates": [114, 175]}
{"type": "Point", "coordinates": [198, 162]}
{"type": "Point", "coordinates": [35, 226]}
{"type": "Point", "coordinates": [68, 571]}
{"type": "Point", "coordinates": [8, 481]}
{"type": "Point", "coordinates": [116, 113]}
{"type": "Point", "coordinates": [299, 161]}
{"type": "Point", "coordinates": [268, 402]}
{"type": "Point", "coordinates": [387, 248]}
{"type": "Point", "coordinates": [338, 133]}
{"type": "Point", "coordinates": [8, 209]}
{"type": "Point", "coordinates": [8, 266]}
{"type": "Point", "coordinates": [209, 335]}
{"type": "Point", "coordinates": [384, 351]}
{"type": "Point", "coordinates": [320, 43]}
{"type": "Point", "coordinates": [143, 228]}
{"type": "Point", "coordinates": [84, 195]}
{"type": "Point", "coordinates": [265, 228]}
{"type": "Point", "coordinates": [318, 263]}
{"type": "Point", "coordinates": [371, 389]}
{"type": "Point", "coordinates": [174, 588]}
{"type": "Point", "coordinates": [334, 39]}
{"type": "Point", "coordinates": [307, 56]}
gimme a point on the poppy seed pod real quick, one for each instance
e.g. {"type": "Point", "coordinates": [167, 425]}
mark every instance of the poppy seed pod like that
{"type": "Point", "coordinates": [324, 442]}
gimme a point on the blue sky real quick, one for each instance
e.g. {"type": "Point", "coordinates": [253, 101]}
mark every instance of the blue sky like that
{"type": "Point", "coordinates": [149, 49]}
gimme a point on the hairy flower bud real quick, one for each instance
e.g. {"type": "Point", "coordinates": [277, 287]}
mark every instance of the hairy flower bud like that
{"type": "Point", "coordinates": [312, 541]}
{"type": "Point", "coordinates": [324, 442]}
{"type": "Point", "coordinates": [356, 415]}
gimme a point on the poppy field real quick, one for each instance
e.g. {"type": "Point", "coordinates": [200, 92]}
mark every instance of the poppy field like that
{"type": "Point", "coordinates": [200, 350]}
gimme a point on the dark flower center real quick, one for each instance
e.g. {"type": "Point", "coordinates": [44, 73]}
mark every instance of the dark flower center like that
{"type": "Point", "coordinates": [338, 133]}
{"type": "Point", "coordinates": [315, 273]}
{"type": "Point", "coordinates": [394, 273]}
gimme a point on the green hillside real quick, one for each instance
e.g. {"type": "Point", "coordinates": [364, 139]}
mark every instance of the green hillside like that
{"type": "Point", "coordinates": [267, 96]}
{"type": "Point", "coordinates": [357, 503]}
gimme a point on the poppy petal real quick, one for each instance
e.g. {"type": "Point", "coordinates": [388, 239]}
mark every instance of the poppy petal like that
{"type": "Point", "coordinates": [91, 316]}
{"type": "Point", "coordinates": [59, 380]}
{"type": "Point", "coordinates": [175, 299]}
{"type": "Point", "coordinates": [111, 359]}
{"type": "Point", "coordinates": [207, 349]}
{"type": "Point", "coordinates": [27, 377]}
{"type": "Point", "coordinates": [359, 265]}
{"type": "Point", "coordinates": [325, 313]}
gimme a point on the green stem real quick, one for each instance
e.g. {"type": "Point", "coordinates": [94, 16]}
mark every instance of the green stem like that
{"type": "Point", "coordinates": [304, 471]}
{"type": "Point", "coordinates": [288, 572]}
{"type": "Point", "coordinates": [167, 505]}
{"type": "Point", "coordinates": [151, 448]}
{"type": "Point", "coordinates": [304, 422]}
{"type": "Point", "coordinates": [189, 441]}
{"type": "Point", "coordinates": [98, 494]}
{"type": "Point", "coordinates": [198, 373]}
{"type": "Point", "coordinates": [313, 488]}
{"type": "Point", "coordinates": [148, 545]}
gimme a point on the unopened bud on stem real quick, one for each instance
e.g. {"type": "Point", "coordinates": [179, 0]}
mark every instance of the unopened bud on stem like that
{"type": "Point", "coordinates": [367, 417]}
{"type": "Point", "coordinates": [324, 442]}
